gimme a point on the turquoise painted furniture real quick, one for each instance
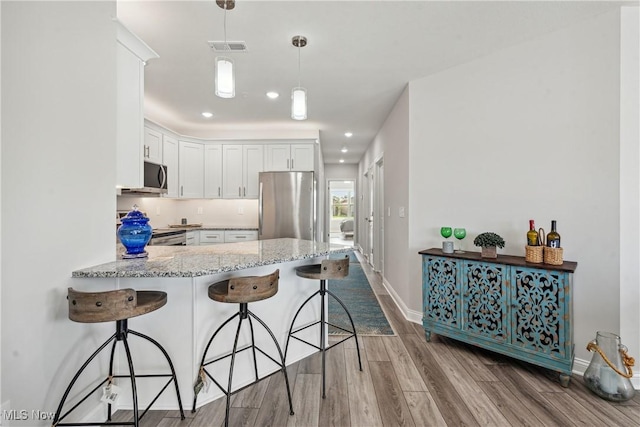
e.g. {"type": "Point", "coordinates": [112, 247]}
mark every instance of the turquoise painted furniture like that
{"type": "Point", "coordinates": [503, 304]}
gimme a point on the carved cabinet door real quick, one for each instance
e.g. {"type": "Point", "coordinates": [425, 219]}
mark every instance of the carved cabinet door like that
{"type": "Point", "coordinates": [441, 296]}
{"type": "Point", "coordinates": [485, 290]}
{"type": "Point", "coordinates": [539, 310]}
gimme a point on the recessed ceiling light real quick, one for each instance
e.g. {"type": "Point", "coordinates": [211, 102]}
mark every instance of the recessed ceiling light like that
{"type": "Point", "coordinates": [348, 134]}
{"type": "Point", "coordinates": [344, 149]}
{"type": "Point", "coordinates": [341, 160]}
{"type": "Point", "coordinates": [272, 95]}
{"type": "Point", "coordinates": [207, 114]}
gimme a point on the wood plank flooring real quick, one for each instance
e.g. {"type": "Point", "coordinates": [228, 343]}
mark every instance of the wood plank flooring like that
{"type": "Point", "coordinates": [408, 382]}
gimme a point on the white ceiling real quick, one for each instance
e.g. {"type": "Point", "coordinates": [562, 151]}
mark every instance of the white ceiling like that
{"type": "Point", "coordinates": [359, 58]}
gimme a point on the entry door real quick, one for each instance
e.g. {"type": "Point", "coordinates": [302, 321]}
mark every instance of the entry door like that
{"type": "Point", "coordinates": [379, 217]}
{"type": "Point", "coordinates": [365, 216]}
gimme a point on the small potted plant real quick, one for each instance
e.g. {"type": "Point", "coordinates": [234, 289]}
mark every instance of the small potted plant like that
{"type": "Point", "coordinates": [488, 242]}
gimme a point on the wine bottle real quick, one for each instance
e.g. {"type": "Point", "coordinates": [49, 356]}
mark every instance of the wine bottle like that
{"type": "Point", "coordinates": [532, 234]}
{"type": "Point", "coordinates": [553, 238]}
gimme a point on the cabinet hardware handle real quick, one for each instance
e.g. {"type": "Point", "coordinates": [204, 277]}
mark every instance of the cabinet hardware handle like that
{"type": "Point", "coordinates": [218, 191]}
{"type": "Point", "coordinates": [244, 189]}
{"type": "Point", "coordinates": [239, 191]}
{"type": "Point", "coordinates": [291, 164]}
{"type": "Point", "coordinates": [241, 237]}
{"type": "Point", "coordinates": [287, 163]}
{"type": "Point", "coordinates": [182, 190]}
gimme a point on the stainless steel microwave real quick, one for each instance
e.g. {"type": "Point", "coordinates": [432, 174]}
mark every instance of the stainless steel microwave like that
{"type": "Point", "coordinates": [155, 180]}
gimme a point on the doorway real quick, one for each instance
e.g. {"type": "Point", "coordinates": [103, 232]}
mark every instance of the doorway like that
{"type": "Point", "coordinates": [341, 212]}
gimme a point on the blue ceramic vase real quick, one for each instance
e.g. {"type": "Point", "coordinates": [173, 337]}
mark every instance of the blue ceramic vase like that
{"type": "Point", "coordinates": [135, 233]}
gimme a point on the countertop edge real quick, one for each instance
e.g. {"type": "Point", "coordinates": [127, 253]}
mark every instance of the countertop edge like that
{"type": "Point", "coordinates": [205, 272]}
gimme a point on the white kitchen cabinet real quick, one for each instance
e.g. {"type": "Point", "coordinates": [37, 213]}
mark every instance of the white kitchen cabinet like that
{"type": "Point", "coordinates": [170, 156]}
{"type": "Point", "coordinates": [131, 56]}
{"type": "Point", "coordinates": [191, 170]}
{"type": "Point", "coordinates": [152, 148]}
{"type": "Point", "coordinates": [277, 157]}
{"type": "Point", "coordinates": [241, 165]}
{"type": "Point", "coordinates": [302, 158]}
{"type": "Point", "coordinates": [211, 237]}
{"type": "Point", "coordinates": [289, 157]}
{"type": "Point", "coordinates": [213, 171]}
{"type": "Point", "coordinates": [193, 238]}
{"type": "Point", "coordinates": [231, 236]}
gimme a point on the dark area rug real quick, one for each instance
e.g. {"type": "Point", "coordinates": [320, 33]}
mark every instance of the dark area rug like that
{"type": "Point", "coordinates": [356, 293]}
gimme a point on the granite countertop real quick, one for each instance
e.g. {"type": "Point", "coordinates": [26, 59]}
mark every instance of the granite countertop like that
{"type": "Point", "coordinates": [193, 261]}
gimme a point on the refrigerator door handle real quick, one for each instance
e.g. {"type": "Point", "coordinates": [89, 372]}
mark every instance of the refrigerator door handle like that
{"type": "Point", "coordinates": [260, 210]}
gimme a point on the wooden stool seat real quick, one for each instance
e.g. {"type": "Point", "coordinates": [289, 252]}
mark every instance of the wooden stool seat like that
{"type": "Point", "coordinates": [245, 289]}
{"type": "Point", "coordinates": [328, 269]}
{"type": "Point", "coordinates": [242, 291]}
{"type": "Point", "coordinates": [111, 306]}
{"type": "Point", "coordinates": [116, 306]}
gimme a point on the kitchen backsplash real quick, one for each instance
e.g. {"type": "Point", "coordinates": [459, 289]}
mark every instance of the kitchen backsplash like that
{"type": "Point", "coordinates": [215, 212]}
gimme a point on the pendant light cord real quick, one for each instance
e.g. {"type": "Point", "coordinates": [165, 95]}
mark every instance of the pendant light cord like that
{"type": "Point", "coordinates": [298, 63]}
{"type": "Point", "coordinates": [225, 23]}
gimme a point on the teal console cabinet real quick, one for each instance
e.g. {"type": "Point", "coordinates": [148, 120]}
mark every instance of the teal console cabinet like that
{"type": "Point", "coordinates": [503, 304]}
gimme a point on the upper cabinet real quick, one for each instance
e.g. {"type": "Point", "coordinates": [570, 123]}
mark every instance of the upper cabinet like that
{"type": "Point", "coordinates": [132, 53]}
{"type": "Point", "coordinates": [241, 165]}
{"type": "Point", "coordinates": [191, 170]}
{"type": "Point", "coordinates": [289, 157]}
{"type": "Point", "coordinates": [213, 171]}
{"type": "Point", "coordinates": [152, 146]}
{"type": "Point", "coordinates": [170, 155]}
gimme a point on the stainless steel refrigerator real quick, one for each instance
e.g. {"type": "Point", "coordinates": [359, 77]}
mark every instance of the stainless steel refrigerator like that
{"type": "Point", "coordinates": [287, 205]}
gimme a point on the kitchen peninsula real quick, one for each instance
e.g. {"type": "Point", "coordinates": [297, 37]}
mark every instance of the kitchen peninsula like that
{"type": "Point", "coordinates": [190, 317]}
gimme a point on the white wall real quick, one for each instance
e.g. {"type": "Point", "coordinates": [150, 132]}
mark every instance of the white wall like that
{"type": "Point", "coordinates": [533, 131]}
{"type": "Point", "coordinates": [630, 182]}
{"type": "Point", "coordinates": [346, 172]}
{"type": "Point", "coordinates": [392, 142]}
{"type": "Point", "coordinates": [58, 177]}
{"type": "Point", "coordinates": [529, 132]}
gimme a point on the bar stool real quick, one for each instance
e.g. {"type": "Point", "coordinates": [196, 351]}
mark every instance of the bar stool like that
{"type": "Point", "coordinates": [119, 306]}
{"type": "Point", "coordinates": [241, 290]}
{"type": "Point", "coordinates": [328, 269]}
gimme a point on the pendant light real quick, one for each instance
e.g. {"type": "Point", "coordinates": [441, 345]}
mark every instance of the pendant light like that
{"type": "Point", "coordinates": [225, 82]}
{"type": "Point", "coordinates": [299, 94]}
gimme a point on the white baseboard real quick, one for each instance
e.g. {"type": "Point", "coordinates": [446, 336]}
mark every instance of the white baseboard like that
{"type": "Point", "coordinates": [410, 315]}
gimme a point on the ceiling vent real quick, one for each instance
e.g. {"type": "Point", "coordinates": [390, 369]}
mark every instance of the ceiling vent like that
{"type": "Point", "coordinates": [221, 46]}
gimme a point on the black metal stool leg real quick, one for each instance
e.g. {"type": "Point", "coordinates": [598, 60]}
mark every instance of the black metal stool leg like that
{"type": "Point", "coordinates": [113, 351]}
{"type": "Point", "coordinates": [253, 349]}
{"type": "Point", "coordinates": [134, 389]}
{"type": "Point", "coordinates": [282, 360]}
{"type": "Point", "coordinates": [293, 322]}
{"type": "Point", "coordinates": [57, 417]}
{"type": "Point", "coordinates": [355, 335]}
{"type": "Point", "coordinates": [233, 360]}
{"type": "Point", "coordinates": [173, 371]}
{"type": "Point", "coordinates": [206, 350]}
{"type": "Point", "coordinates": [323, 344]}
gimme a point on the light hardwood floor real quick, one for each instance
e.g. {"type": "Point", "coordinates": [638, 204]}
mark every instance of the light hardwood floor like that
{"type": "Point", "coordinates": [408, 382]}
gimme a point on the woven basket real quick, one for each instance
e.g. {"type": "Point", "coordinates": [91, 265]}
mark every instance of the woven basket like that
{"type": "Point", "coordinates": [552, 256]}
{"type": "Point", "coordinates": [533, 254]}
